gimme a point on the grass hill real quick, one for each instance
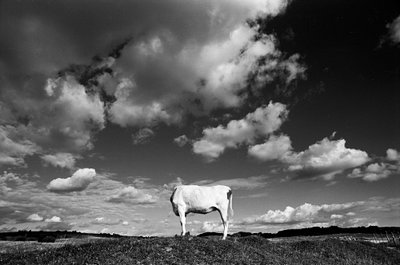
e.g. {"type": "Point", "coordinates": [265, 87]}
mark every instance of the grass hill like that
{"type": "Point", "coordinates": [210, 250]}
{"type": "Point", "coordinates": [302, 246]}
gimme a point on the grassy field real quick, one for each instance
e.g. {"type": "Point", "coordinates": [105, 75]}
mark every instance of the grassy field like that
{"type": "Point", "coordinates": [196, 250]}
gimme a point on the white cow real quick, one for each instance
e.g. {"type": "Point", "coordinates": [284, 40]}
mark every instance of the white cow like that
{"type": "Point", "coordinates": [201, 199]}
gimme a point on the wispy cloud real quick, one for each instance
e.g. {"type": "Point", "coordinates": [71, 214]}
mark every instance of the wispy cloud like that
{"type": "Point", "coordinates": [26, 205]}
{"type": "Point", "coordinates": [62, 160]}
{"type": "Point", "coordinates": [181, 140]}
{"type": "Point", "coordinates": [13, 147]}
{"type": "Point", "coordinates": [254, 182]}
{"type": "Point", "coordinates": [142, 136]}
{"type": "Point", "coordinates": [131, 195]}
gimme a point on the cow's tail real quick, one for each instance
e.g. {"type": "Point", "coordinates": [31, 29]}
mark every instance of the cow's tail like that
{"type": "Point", "coordinates": [230, 204]}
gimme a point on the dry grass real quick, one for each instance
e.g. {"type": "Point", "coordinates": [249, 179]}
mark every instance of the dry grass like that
{"type": "Point", "coordinates": [195, 250]}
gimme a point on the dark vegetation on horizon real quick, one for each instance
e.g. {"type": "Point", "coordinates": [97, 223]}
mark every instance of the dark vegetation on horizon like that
{"type": "Point", "coordinates": [318, 231]}
{"type": "Point", "coordinates": [52, 236]}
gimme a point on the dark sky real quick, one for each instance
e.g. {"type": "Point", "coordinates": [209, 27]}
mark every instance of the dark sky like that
{"type": "Point", "coordinates": [349, 56]}
{"type": "Point", "coordinates": [105, 106]}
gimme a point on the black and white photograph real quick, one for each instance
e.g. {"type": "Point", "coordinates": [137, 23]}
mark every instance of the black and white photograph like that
{"type": "Point", "coordinates": [199, 132]}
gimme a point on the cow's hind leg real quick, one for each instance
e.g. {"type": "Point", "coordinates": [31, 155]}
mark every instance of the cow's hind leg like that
{"type": "Point", "coordinates": [182, 217]}
{"type": "Point", "coordinates": [224, 216]}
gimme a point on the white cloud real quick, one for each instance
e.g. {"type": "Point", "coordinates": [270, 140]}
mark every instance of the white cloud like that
{"type": "Point", "coordinates": [210, 150]}
{"type": "Point", "coordinates": [54, 219]}
{"type": "Point", "coordinates": [170, 73]}
{"type": "Point", "coordinates": [143, 136]}
{"type": "Point", "coordinates": [80, 211]}
{"type": "Point", "coordinates": [126, 112]}
{"type": "Point", "coordinates": [260, 123]}
{"type": "Point", "coordinates": [225, 71]}
{"type": "Point", "coordinates": [325, 158]}
{"type": "Point", "coordinates": [131, 195]}
{"type": "Point", "coordinates": [337, 216]}
{"type": "Point", "coordinates": [392, 155]}
{"type": "Point", "coordinates": [35, 217]}
{"type": "Point", "coordinates": [394, 30]}
{"type": "Point", "coordinates": [348, 214]}
{"type": "Point", "coordinates": [10, 178]}
{"type": "Point", "coordinates": [276, 147]}
{"type": "Point", "coordinates": [107, 221]}
{"type": "Point", "coordinates": [158, 77]}
{"type": "Point", "coordinates": [77, 182]}
{"type": "Point", "coordinates": [12, 182]}
{"type": "Point", "coordinates": [62, 160]}
{"type": "Point", "coordinates": [373, 172]}
{"type": "Point", "coordinates": [381, 169]}
{"type": "Point", "coordinates": [181, 140]}
{"type": "Point", "coordinates": [306, 213]}
{"type": "Point", "coordinates": [75, 113]}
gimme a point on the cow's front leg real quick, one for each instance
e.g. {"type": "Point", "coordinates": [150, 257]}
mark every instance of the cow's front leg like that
{"type": "Point", "coordinates": [182, 216]}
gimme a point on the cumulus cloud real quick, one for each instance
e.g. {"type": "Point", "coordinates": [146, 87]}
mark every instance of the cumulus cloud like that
{"type": "Point", "coordinates": [348, 214]}
{"type": "Point", "coordinates": [380, 168]}
{"type": "Point", "coordinates": [325, 158]}
{"type": "Point", "coordinates": [8, 178]}
{"type": "Point", "coordinates": [131, 195]}
{"type": "Point", "coordinates": [306, 213]}
{"type": "Point", "coordinates": [158, 74]}
{"type": "Point", "coordinates": [373, 172]}
{"type": "Point", "coordinates": [276, 147]}
{"type": "Point", "coordinates": [63, 118]}
{"type": "Point", "coordinates": [54, 219]}
{"type": "Point", "coordinates": [77, 182]}
{"type": "Point", "coordinates": [181, 140]}
{"type": "Point", "coordinates": [126, 112]}
{"type": "Point", "coordinates": [260, 123]}
{"type": "Point", "coordinates": [34, 217]}
{"type": "Point", "coordinates": [62, 160]}
{"type": "Point", "coordinates": [75, 112]}
{"type": "Point", "coordinates": [142, 136]}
